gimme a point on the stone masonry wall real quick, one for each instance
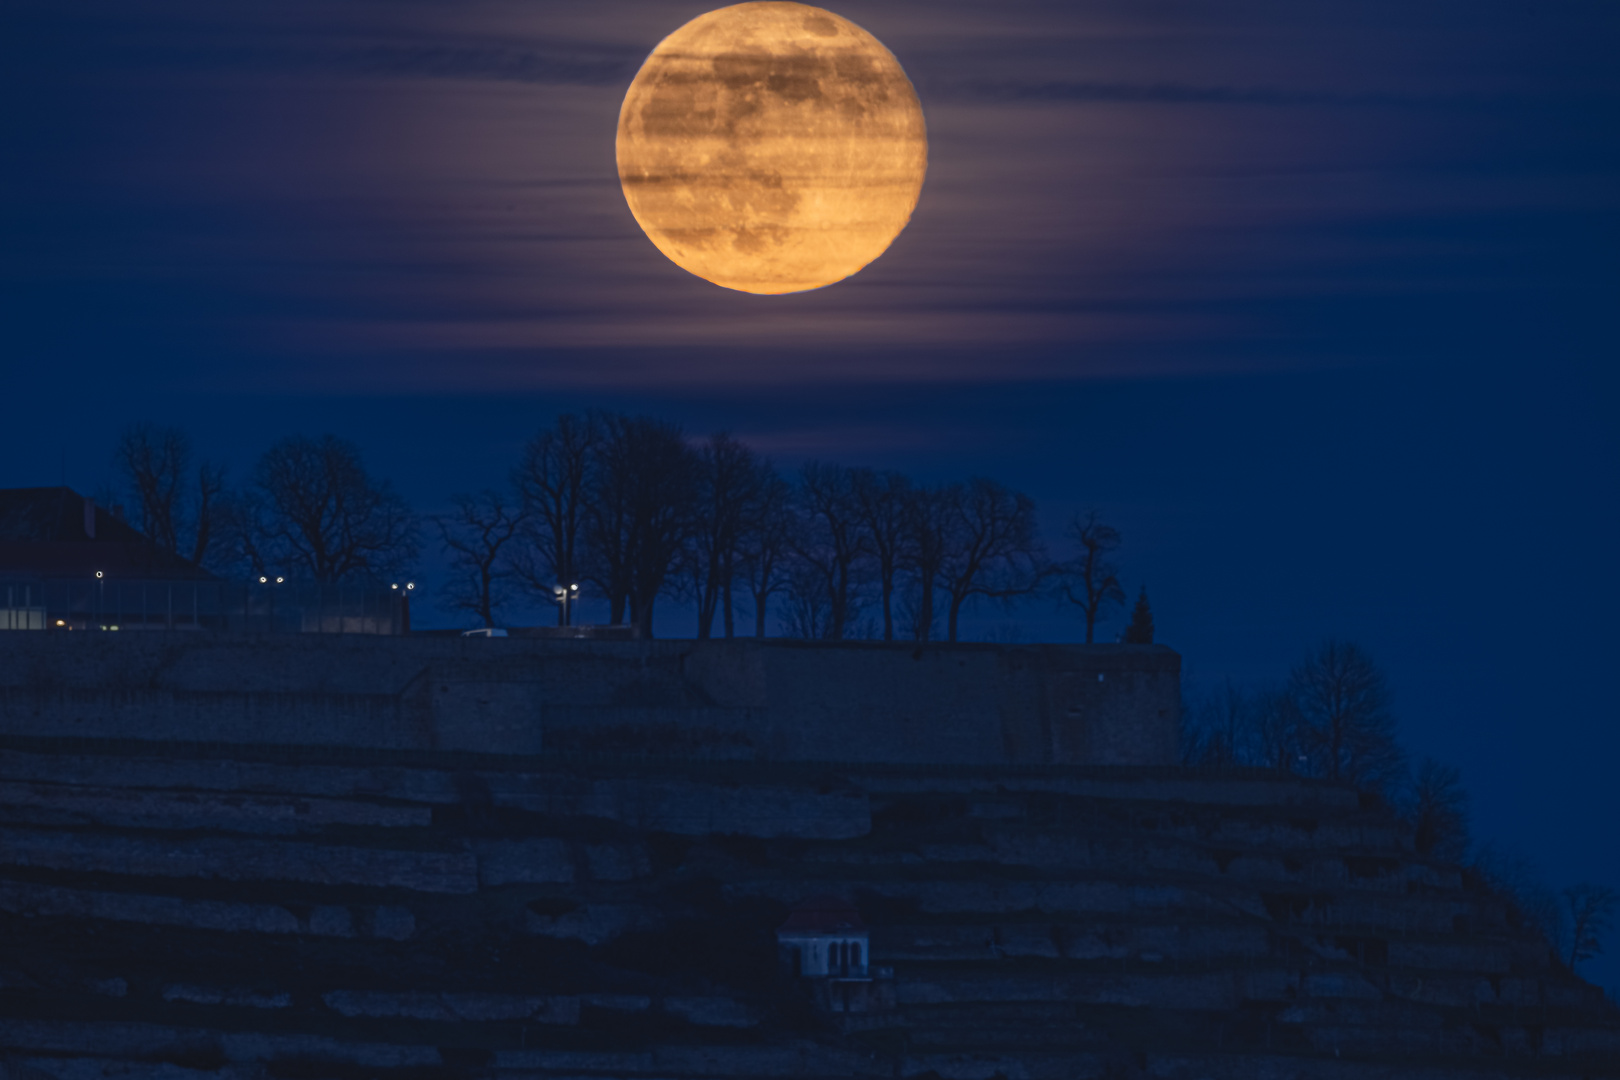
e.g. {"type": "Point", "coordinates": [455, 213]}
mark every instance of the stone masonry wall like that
{"type": "Point", "coordinates": [748, 700]}
{"type": "Point", "coordinates": [272, 913]}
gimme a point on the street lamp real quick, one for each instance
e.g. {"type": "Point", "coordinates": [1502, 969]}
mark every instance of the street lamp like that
{"type": "Point", "coordinates": [404, 605]}
{"type": "Point", "coordinates": [566, 596]}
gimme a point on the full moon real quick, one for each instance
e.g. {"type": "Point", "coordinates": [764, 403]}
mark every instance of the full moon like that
{"type": "Point", "coordinates": [771, 147]}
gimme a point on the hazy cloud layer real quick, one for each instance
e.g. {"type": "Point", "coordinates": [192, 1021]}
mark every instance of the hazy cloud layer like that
{"type": "Point", "coordinates": [317, 192]}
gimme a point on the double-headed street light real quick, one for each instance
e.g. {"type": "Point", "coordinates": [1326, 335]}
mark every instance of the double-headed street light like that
{"type": "Point", "coordinates": [565, 595]}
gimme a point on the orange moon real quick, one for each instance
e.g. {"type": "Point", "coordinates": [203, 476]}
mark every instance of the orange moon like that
{"type": "Point", "coordinates": [771, 147]}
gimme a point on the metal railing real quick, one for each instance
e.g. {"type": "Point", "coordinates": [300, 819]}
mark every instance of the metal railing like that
{"type": "Point", "coordinates": [221, 606]}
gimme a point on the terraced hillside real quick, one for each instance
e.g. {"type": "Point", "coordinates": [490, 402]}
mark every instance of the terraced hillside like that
{"type": "Point", "coordinates": [189, 912]}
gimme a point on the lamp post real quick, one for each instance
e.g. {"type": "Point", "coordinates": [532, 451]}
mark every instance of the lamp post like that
{"type": "Point", "coordinates": [404, 605]}
{"type": "Point", "coordinates": [566, 596]}
{"type": "Point", "coordinates": [270, 617]}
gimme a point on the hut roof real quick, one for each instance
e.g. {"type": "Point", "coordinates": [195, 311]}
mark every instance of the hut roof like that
{"type": "Point", "coordinates": [825, 914]}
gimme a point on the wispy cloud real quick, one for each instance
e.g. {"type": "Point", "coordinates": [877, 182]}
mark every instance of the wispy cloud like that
{"type": "Point", "coordinates": [561, 63]}
{"type": "Point", "coordinates": [425, 194]}
{"type": "Point", "coordinates": [1016, 91]}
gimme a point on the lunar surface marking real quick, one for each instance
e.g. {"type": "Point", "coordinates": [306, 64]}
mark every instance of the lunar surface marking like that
{"type": "Point", "coordinates": [771, 147]}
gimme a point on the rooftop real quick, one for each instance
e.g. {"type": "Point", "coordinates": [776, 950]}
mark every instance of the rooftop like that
{"type": "Point", "coordinates": [54, 532]}
{"type": "Point", "coordinates": [825, 914]}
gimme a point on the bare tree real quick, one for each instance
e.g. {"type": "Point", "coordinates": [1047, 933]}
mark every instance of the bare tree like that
{"type": "Point", "coordinates": [1277, 731]}
{"type": "Point", "coordinates": [314, 509]}
{"type": "Point", "coordinates": [831, 546]}
{"type": "Point", "coordinates": [608, 532]}
{"type": "Point", "coordinates": [243, 530]}
{"type": "Point", "coordinates": [1519, 880]}
{"type": "Point", "coordinates": [766, 542]}
{"type": "Point", "coordinates": [884, 503]}
{"type": "Point", "coordinates": [809, 612]}
{"type": "Point", "coordinates": [1236, 726]}
{"type": "Point", "coordinates": [1091, 580]}
{"type": "Point", "coordinates": [992, 549]}
{"type": "Point", "coordinates": [155, 463]}
{"type": "Point", "coordinates": [210, 492]}
{"type": "Point", "coordinates": [1223, 722]}
{"type": "Point", "coordinates": [1439, 812]}
{"type": "Point", "coordinates": [553, 479]}
{"type": "Point", "coordinates": [475, 537]}
{"type": "Point", "coordinates": [643, 482]}
{"type": "Point", "coordinates": [728, 477]}
{"type": "Point", "coordinates": [1591, 910]}
{"type": "Point", "coordinates": [930, 519]}
{"type": "Point", "coordinates": [1349, 732]}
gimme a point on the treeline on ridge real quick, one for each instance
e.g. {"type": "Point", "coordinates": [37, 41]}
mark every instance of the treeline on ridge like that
{"type": "Point", "coordinates": [631, 510]}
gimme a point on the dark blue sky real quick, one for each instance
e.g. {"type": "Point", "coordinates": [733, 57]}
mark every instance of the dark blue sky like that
{"type": "Point", "coordinates": [1316, 301]}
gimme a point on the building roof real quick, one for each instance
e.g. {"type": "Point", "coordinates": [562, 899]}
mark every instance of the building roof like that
{"type": "Point", "coordinates": [826, 914]}
{"type": "Point", "coordinates": [57, 533]}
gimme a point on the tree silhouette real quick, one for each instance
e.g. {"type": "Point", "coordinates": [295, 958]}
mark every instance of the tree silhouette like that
{"type": "Point", "coordinates": [765, 546]}
{"type": "Point", "coordinates": [1439, 812]}
{"type": "Point", "coordinates": [1090, 579]}
{"type": "Point", "coordinates": [643, 484]}
{"type": "Point", "coordinates": [1140, 630]}
{"type": "Point", "coordinates": [728, 477]}
{"type": "Point", "coordinates": [312, 508]}
{"type": "Point", "coordinates": [831, 548]}
{"type": "Point", "coordinates": [553, 479]}
{"type": "Point", "coordinates": [928, 522]}
{"type": "Point", "coordinates": [155, 463]}
{"type": "Point", "coordinates": [1220, 728]}
{"type": "Point", "coordinates": [1591, 909]}
{"type": "Point", "coordinates": [1347, 730]}
{"type": "Point", "coordinates": [884, 502]}
{"type": "Point", "coordinates": [475, 537]}
{"type": "Point", "coordinates": [1278, 730]}
{"type": "Point", "coordinates": [1518, 879]}
{"type": "Point", "coordinates": [992, 548]}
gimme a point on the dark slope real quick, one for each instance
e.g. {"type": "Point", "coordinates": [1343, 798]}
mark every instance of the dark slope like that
{"type": "Point", "coordinates": [207, 912]}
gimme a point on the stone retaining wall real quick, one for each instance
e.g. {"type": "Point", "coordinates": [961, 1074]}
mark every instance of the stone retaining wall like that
{"type": "Point", "coordinates": [188, 917]}
{"type": "Point", "coordinates": [743, 699]}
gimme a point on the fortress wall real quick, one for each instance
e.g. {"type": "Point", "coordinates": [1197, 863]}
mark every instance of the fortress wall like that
{"type": "Point", "coordinates": [834, 703]}
{"type": "Point", "coordinates": [743, 699]}
{"type": "Point", "coordinates": [144, 712]}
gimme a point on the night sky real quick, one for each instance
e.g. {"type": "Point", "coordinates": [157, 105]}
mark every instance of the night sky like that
{"type": "Point", "coordinates": [1316, 301]}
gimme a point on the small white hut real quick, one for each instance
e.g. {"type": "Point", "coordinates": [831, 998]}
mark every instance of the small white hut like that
{"type": "Point", "coordinates": [824, 938]}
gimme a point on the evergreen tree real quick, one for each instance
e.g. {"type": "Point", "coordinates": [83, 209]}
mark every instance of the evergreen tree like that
{"type": "Point", "coordinates": [1140, 632]}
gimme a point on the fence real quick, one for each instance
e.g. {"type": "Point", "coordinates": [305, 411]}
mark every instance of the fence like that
{"type": "Point", "coordinates": [200, 605]}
